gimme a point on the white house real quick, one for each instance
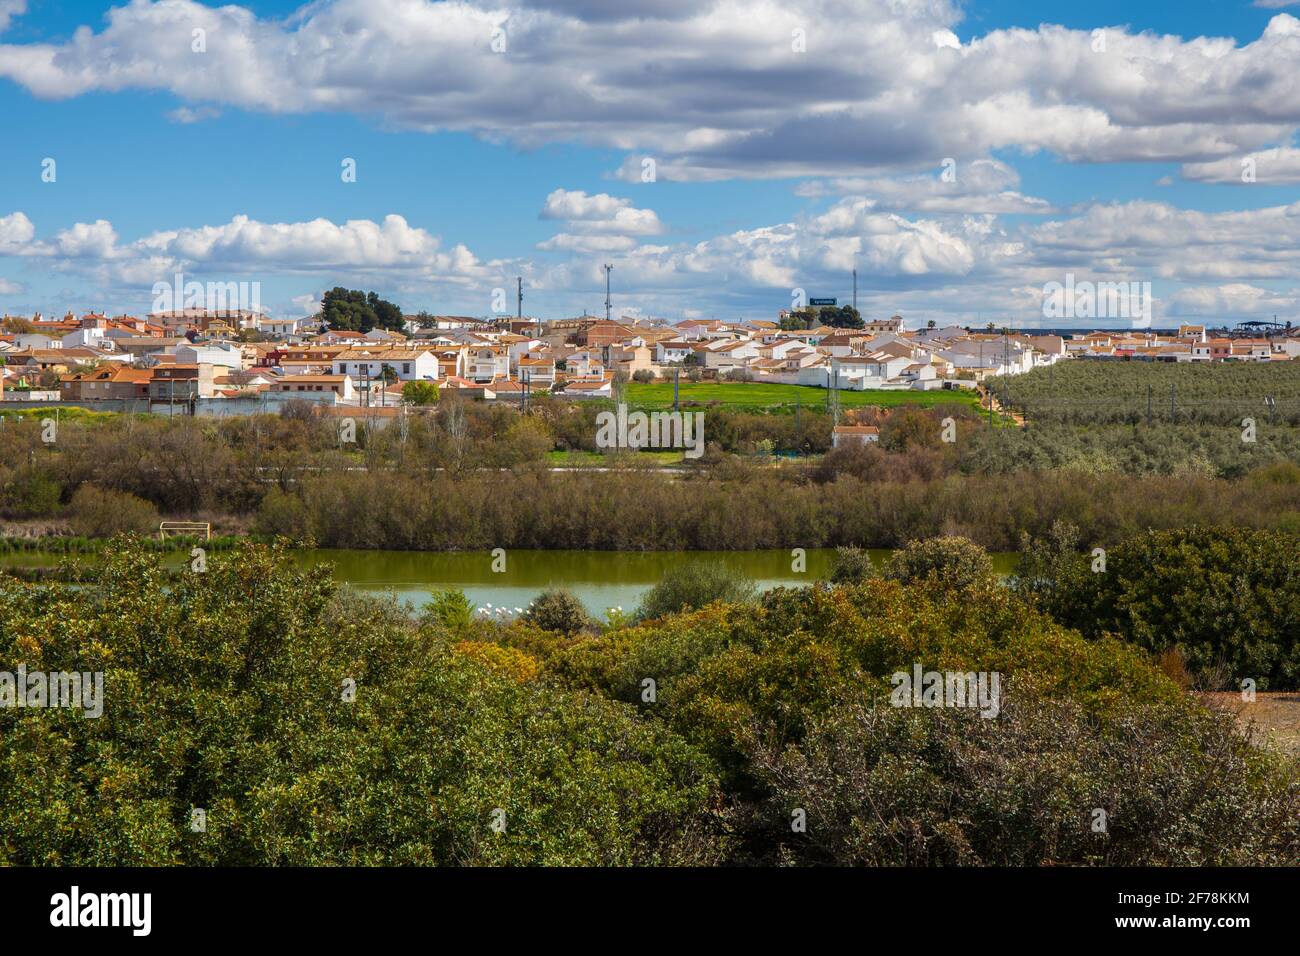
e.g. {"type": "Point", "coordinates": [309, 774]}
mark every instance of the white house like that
{"type": "Point", "coordinates": [317, 388]}
{"type": "Point", "coordinates": [730, 355]}
{"type": "Point", "coordinates": [921, 375]}
{"type": "Point", "coordinates": [486, 363]}
{"type": "Point", "coordinates": [86, 338]}
{"type": "Point", "coordinates": [589, 388]}
{"type": "Point", "coordinates": [520, 347]}
{"type": "Point", "coordinates": [407, 364]}
{"type": "Point", "coordinates": [674, 351]}
{"type": "Point", "coordinates": [283, 327]}
{"type": "Point", "coordinates": [857, 372]}
{"type": "Point", "coordinates": [36, 340]}
{"type": "Point", "coordinates": [585, 363]}
{"type": "Point", "coordinates": [223, 354]}
{"type": "Point", "coordinates": [538, 372]}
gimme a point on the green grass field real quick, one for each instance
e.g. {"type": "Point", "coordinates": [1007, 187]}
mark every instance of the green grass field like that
{"type": "Point", "coordinates": [755, 396]}
{"type": "Point", "coordinates": [66, 413]}
{"type": "Point", "coordinates": [590, 459]}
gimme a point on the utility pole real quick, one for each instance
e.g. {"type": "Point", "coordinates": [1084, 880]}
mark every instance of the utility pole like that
{"type": "Point", "coordinates": [1006, 369]}
{"type": "Point", "coordinates": [833, 400]}
{"type": "Point", "coordinates": [855, 290]}
{"type": "Point", "coordinates": [608, 269]}
{"type": "Point", "coordinates": [519, 297]}
{"type": "Point", "coordinates": [405, 426]}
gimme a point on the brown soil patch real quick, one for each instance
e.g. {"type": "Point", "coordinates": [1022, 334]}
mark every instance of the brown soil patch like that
{"type": "Point", "coordinates": [1276, 716]}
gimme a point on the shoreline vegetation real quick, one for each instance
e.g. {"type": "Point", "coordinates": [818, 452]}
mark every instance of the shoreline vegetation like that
{"type": "Point", "coordinates": [445, 488]}
{"type": "Point", "coordinates": [745, 508]}
{"type": "Point", "coordinates": [536, 512]}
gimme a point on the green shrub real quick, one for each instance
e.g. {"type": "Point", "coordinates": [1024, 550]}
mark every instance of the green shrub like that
{"type": "Point", "coordinates": [420, 393]}
{"type": "Point", "coordinates": [1278, 473]}
{"type": "Point", "coordinates": [1227, 598]}
{"type": "Point", "coordinates": [450, 610]}
{"type": "Point", "coordinates": [791, 698]}
{"type": "Point", "coordinates": [851, 565]}
{"type": "Point", "coordinates": [881, 785]}
{"type": "Point", "coordinates": [318, 728]}
{"type": "Point", "coordinates": [32, 495]}
{"type": "Point", "coordinates": [557, 609]}
{"type": "Point", "coordinates": [949, 562]}
{"type": "Point", "coordinates": [96, 512]}
{"type": "Point", "coordinates": [694, 584]}
{"type": "Point", "coordinates": [282, 513]}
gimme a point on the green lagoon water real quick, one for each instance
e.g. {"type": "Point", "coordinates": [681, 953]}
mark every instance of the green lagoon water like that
{"type": "Point", "coordinates": [600, 579]}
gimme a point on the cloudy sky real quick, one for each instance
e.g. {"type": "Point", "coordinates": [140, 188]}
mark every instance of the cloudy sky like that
{"type": "Point", "coordinates": [721, 155]}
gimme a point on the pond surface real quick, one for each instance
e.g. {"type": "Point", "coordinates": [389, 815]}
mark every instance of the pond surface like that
{"type": "Point", "coordinates": [600, 579]}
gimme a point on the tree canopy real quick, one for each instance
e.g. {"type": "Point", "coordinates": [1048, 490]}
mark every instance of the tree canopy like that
{"type": "Point", "coordinates": [352, 310]}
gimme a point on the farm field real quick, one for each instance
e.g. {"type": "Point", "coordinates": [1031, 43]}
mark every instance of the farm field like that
{"type": "Point", "coordinates": [1085, 391]}
{"type": "Point", "coordinates": [756, 395]}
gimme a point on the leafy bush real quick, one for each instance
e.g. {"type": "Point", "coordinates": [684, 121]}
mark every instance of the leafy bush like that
{"type": "Point", "coordinates": [890, 786]}
{"type": "Point", "coordinates": [1279, 473]}
{"type": "Point", "coordinates": [1227, 598]}
{"type": "Point", "coordinates": [694, 584]}
{"type": "Point", "coordinates": [949, 561]}
{"type": "Point", "coordinates": [244, 708]}
{"type": "Point", "coordinates": [96, 512]}
{"type": "Point", "coordinates": [851, 565]}
{"type": "Point", "coordinates": [420, 393]}
{"type": "Point", "coordinates": [500, 659]}
{"type": "Point", "coordinates": [283, 513]}
{"type": "Point", "coordinates": [450, 610]}
{"type": "Point", "coordinates": [557, 609]}
{"type": "Point", "coordinates": [31, 495]}
{"type": "Point", "coordinates": [790, 698]}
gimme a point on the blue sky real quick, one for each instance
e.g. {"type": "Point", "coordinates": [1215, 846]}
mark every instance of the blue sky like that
{"type": "Point", "coordinates": [791, 142]}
